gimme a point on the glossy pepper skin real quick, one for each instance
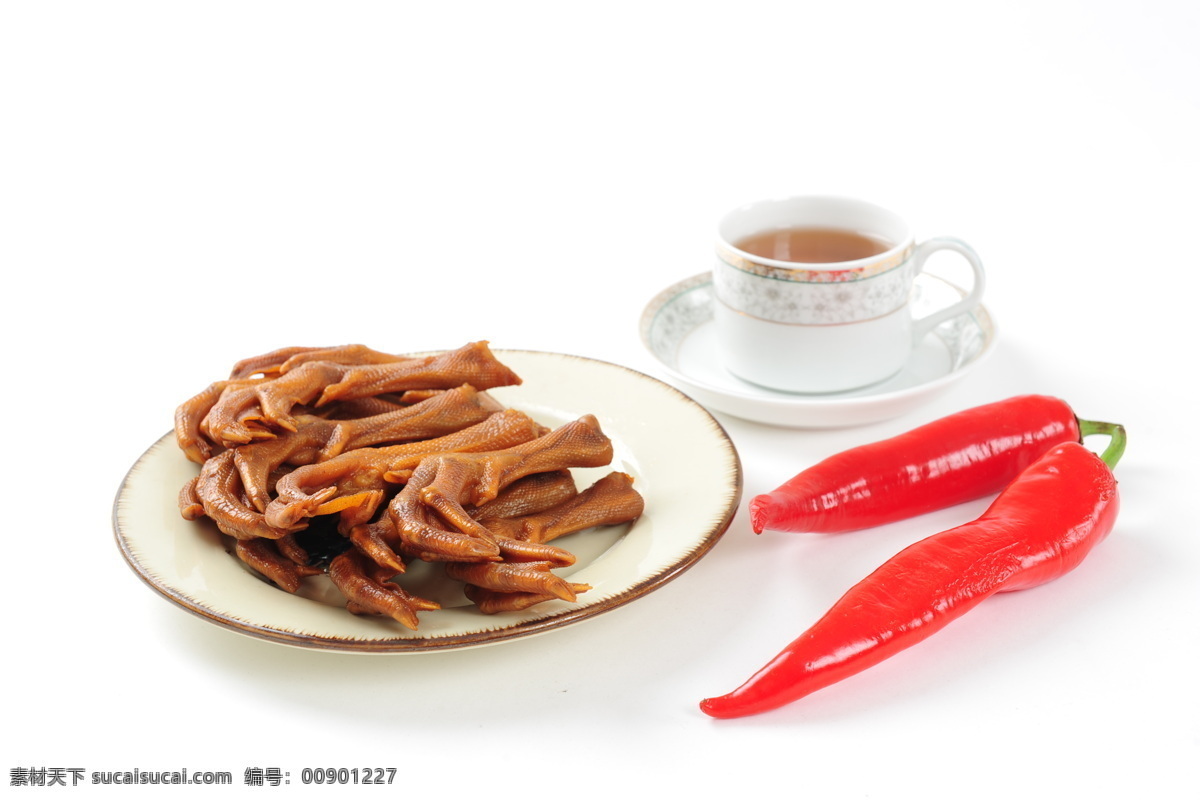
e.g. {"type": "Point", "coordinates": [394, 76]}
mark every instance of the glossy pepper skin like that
{"type": "Point", "coordinates": [965, 456]}
{"type": "Point", "coordinates": [1039, 528]}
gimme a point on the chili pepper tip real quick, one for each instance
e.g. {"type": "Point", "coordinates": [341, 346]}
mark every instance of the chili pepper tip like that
{"type": "Point", "coordinates": [758, 513]}
{"type": "Point", "coordinates": [724, 707]}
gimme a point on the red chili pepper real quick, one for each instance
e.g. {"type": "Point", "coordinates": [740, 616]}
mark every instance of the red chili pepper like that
{"type": "Point", "coordinates": [962, 457]}
{"type": "Point", "coordinates": [1040, 527]}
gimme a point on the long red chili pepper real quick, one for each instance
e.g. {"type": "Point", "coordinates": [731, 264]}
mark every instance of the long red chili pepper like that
{"type": "Point", "coordinates": [962, 457]}
{"type": "Point", "coordinates": [1040, 527]}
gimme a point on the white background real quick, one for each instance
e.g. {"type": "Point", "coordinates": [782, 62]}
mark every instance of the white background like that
{"type": "Point", "coordinates": [185, 184]}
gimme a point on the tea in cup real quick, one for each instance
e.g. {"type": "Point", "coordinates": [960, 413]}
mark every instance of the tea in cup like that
{"type": "Point", "coordinates": [813, 294]}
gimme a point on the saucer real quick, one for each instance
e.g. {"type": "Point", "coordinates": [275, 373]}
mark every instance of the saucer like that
{"type": "Point", "coordinates": [678, 330]}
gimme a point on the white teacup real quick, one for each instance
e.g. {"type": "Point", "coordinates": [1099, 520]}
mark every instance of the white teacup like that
{"type": "Point", "coordinates": [820, 325]}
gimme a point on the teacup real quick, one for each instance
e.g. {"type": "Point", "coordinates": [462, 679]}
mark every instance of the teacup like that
{"type": "Point", "coordinates": [813, 293]}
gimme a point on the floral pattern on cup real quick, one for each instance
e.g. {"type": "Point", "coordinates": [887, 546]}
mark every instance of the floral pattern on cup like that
{"type": "Point", "coordinates": [800, 274]}
{"type": "Point", "coordinates": [832, 301]}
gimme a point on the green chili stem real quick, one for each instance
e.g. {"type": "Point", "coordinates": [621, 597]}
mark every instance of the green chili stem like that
{"type": "Point", "coordinates": [1116, 442]}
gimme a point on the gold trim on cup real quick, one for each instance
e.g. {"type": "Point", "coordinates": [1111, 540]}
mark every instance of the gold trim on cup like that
{"type": "Point", "coordinates": [799, 274]}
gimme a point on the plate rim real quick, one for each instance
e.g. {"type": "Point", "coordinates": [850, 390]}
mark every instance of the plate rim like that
{"type": "Point", "coordinates": [704, 542]}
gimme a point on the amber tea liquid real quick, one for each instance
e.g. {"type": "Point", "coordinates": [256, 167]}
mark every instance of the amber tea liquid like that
{"type": "Point", "coordinates": [807, 245]}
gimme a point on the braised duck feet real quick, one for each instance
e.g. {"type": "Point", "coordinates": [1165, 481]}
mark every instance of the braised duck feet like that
{"type": "Point", "coordinates": [428, 513]}
{"type": "Point", "coordinates": [491, 602]}
{"type": "Point", "coordinates": [359, 475]}
{"type": "Point", "coordinates": [265, 558]}
{"type": "Point", "coordinates": [368, 590]}
{"type": "Point", "coordinates": [473, 363]}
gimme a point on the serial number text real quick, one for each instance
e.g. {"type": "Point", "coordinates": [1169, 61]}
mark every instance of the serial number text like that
{"type": "Point", "coordinates": [342, 775]}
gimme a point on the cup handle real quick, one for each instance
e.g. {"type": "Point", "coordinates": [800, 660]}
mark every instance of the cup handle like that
{"type": "Point", "coordinates": [927, 323]}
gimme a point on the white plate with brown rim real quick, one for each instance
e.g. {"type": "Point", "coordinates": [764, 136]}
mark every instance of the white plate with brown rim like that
{"type": "Point", "coordinates": [681, 459]}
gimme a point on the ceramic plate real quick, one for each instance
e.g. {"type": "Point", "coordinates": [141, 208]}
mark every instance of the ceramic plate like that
{"type": "Point", "coordinates": [681, 460]}
{"type": "Point", "coordinates": [678, 330]}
